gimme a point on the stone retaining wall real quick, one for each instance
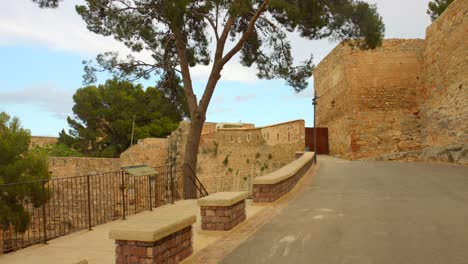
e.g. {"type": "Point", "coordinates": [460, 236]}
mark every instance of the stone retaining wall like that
{"type": "Point", "coordinates": [270, 192]}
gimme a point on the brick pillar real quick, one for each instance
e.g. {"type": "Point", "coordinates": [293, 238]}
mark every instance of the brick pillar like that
{"type": "Point", "coordinates": [222, 218]}
{"type": "Point", "coordinates": [170, 249]}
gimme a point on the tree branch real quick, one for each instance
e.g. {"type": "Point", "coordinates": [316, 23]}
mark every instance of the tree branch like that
{"type": "Point", "coordinates": [222, 40]}
{"type": "Point", "coordinates": [220, 61]}
{"type": "Point", "coordinates": [246, 34]}
{"type": "Point", "coordinates": [184, 66]}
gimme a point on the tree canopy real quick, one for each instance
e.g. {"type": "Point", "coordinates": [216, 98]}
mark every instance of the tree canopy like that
{"type": "Point", "coordinates": [437, 7]}
{"type": "Point", "coordinates": [181, 34]}
{"type": "Point", "coordinates": [18, 164]}
{"type": "Point", "coordinates": [177, 33]}
{"type": "Point", "coordinates": [103, 117]}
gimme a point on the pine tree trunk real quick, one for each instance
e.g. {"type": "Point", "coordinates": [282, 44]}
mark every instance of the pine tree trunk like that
{"type": "Point", "coordinates": [191, 152]}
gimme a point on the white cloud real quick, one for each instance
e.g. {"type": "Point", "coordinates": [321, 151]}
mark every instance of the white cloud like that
{"type": "Point", "coordinates": [46, 97]}
{"type": "Point", "coordinates": [245, 98]}
{"type": "Point", "coordinates": [21, 21]}
{"type": "Point", "coordinates": [233, 71]}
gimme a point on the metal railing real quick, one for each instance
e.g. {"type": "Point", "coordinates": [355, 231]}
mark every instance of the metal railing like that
{"type": "Point", "coordinates": [82, 202]}
{"type": "Point", "coordinates": [192, 176]}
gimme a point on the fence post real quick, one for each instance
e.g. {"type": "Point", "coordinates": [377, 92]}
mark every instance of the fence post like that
{"type": "Point", "coordinates": [184, 180]}
{"type": "Point", "coordinates": [44, 216]}
{"type": "Point", "coordinates": [89, 203]}
{"type": "Point", "coordinates": [2, 238]}
{"type": "Point", "coordinates": [149, 185]}
{"type": "Point", "coordinates": [172, 184]}
{"type": "Point", "coordinates": [123, 195]}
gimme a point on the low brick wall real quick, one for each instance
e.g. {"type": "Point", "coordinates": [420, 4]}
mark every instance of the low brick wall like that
{"type": "Point", "coordinates": [222, 218]}
{"type": "Point", "coordinates": [170, 249]}
{"type": "Point", "coordinates": [268, 190]}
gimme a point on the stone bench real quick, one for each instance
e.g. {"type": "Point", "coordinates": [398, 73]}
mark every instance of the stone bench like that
{"type": "Point", "coordinates": [271, 187]}
{"type": "Point", "coordinates": [222, 211]}
{"type": "Point", "coordinates": [163, 239]}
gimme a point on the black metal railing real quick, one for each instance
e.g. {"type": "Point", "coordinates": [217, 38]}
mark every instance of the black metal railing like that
{"type": "Point", "coordinates": [82, 202]}
{"type": "Point", "coordinates": [193, 179]}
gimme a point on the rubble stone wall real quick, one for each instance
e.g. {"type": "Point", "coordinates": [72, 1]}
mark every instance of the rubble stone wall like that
{"type": "Point", "coordinates": [445, 111]}
{"type": "Point", "coordinates": [405, 100]}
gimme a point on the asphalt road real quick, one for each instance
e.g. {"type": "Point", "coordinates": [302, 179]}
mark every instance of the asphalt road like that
{"type": "Point", "coordinates": [369, 213]}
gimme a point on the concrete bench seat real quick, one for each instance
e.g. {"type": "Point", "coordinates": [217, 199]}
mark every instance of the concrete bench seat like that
{"type": "Point", "coordinates": [272, 186]}
{"type": "Point", "coordinates": [166, 238]}
{"type": "Point", "coordinates": [222, 211]}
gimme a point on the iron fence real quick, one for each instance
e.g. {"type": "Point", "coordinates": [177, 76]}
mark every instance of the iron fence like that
{"type": "Point", "coordinates": [82, 202]}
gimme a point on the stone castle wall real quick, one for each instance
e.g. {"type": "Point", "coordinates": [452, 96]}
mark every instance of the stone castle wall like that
{"type": "Point", "coordinates": [148, 151]}
{"type": "Point", "coordinates": [42, 141]}
{"type": "Point", "coordinates": [228, 158]}
{"type": "Point", "coordinates": [445, 111]}
{"type": "Point", "coordinates": [403, 100]}
{"type": "Point", "coordinates": [369, 100]}
{"type": "Point", "coordinates": [63, 167]}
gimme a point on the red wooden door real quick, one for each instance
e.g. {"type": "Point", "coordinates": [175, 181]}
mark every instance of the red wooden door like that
{"type": "Point", "coordinates": [322, 139]}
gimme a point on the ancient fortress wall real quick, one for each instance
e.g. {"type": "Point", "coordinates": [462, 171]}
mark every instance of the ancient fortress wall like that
{"type": "Point", "coordinates": [148, 151]}
{"type": "Point", "coordinates": [369, 100]}
{"type": "Point", "coordinates": [445, 110]}
{"type": "Point", "coordinates": [401, 99]}
{"type": "Point", "coordinates": [42, 141]}
{"type": "Point", "coordinates": [228, 157]}
{"type": "Point", "coordinates": [71, 166]}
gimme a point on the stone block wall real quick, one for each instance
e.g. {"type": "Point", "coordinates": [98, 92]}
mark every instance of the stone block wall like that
{"type": "Point", "coordinates": [148, 151]}
{"type": "Point", "coordinates": [404, 100]}
{"type": "Point", "coordinates": [229, 159]}
{"type": "Point", "coordinates": [71, 166]}
{"type": "Point", "coordinates": [445, 111]}
{"type": "Point", "coordinates": [369, 100]}
{"type": "Point", "coordinates": [42, 141]}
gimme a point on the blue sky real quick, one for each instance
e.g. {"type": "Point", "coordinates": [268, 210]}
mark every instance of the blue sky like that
{"type": "Point", "coordinates": [41, 53]}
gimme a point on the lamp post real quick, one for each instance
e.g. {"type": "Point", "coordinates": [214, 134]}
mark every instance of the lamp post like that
{"type": "Point", "coordinates": [314, 102]}
{"type": "Point", "coordinates": [133, 129]}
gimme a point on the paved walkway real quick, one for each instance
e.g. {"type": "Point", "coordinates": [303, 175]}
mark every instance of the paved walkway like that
{"type": "Point", "coordinates": [366, 213]}
{"type": "Point", "coordinates": [97, 248]}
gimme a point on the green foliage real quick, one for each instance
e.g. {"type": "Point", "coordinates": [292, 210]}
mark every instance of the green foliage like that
{"type": "Point", "coordinates": [175, 30]}
{"type": "Point", "coordinates": [437, 7]}
{"type": "Point", "coordinates": [214, 149]}
{"type": "Point", "coordinates": [179, 35]}
{"type": "Point", "coordinates": [226, 160]}
{"type": "Point", "coordinates": [104, 114]}
{"type": "Point", "coordinates": [57, 150]}
{"type": "Point", "coordinates": [258, 155]}
{"type": "Point", "coordinates": [47, 3]}
{"type": "Point", "coordinates": [270, 156]}
{"type": "Point", "coordinates": [18, 164]}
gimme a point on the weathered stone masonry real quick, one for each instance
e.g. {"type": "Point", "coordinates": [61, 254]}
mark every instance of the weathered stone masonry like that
{"type": "Point", "coordinates": [407, 99]}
